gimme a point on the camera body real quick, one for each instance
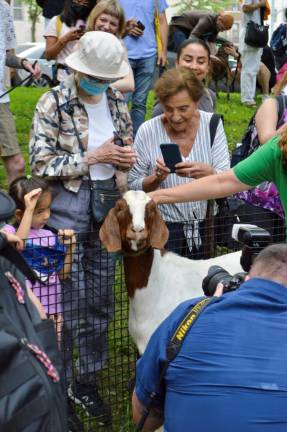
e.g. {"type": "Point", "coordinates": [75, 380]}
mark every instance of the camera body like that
{"type": "Point", "coordinates": [253, 240]}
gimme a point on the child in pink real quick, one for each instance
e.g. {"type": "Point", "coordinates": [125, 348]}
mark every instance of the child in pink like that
{"type": "Point", "coordinates": [49, 257]}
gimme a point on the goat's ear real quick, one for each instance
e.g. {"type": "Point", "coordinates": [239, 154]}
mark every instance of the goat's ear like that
{"type": "Point", "coordinates": [158, 229]}
{"type": "Point", "coordinates": [110, 232]}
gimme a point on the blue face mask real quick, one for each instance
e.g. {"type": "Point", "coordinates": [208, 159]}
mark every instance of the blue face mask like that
{"type": "Point", "coordinates": [93, 88]}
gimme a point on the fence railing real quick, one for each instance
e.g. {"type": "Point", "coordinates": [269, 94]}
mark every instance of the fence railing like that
{"type": "Point", "coordinates": [90, 306]}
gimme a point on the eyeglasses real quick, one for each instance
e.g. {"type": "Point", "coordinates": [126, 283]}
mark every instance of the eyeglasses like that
{"type": "Point", "coordinates": [99, 80]}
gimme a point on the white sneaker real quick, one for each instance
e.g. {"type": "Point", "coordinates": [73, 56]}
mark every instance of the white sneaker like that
{"type": "Point", "coordinates": [250, 103]}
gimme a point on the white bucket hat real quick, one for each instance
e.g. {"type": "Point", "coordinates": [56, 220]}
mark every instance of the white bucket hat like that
{"type": "Point", "coordinates": [99, 54]}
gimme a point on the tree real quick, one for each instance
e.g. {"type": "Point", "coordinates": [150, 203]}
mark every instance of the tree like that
{"type": "Point", "coordinates": [34, 11]}
{"type": "Point", "coordinates": [212, 5]}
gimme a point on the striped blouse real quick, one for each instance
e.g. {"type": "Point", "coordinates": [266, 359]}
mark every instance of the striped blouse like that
{"type": "Point", "coordinates": [147, 146]}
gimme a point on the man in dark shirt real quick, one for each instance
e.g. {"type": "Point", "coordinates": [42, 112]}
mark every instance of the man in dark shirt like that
{"type": "Point", "coordinates": [201, 24]}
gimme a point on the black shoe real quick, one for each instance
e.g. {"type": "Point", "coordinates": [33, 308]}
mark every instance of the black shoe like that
{"type": "Point", "coordinates": [89, 399]}
{"type": "Point", "coordinates": [74, 423]}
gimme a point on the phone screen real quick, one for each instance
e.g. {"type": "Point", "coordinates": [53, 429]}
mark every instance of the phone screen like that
{"type": "Point", "coordinates": [171, 155]}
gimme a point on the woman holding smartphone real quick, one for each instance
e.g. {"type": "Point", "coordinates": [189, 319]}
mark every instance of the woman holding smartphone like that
{"type": "Point", "coordinates": [64, 31]}
{"type": "Point", "coordinates": [179, 92]}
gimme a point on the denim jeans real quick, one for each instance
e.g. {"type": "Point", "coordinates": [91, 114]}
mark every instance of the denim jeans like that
{"type": "Point", "coordinates": [143, 70]}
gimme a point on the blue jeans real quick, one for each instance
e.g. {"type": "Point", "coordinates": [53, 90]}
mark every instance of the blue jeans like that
{"type": "Point", "coordinates": [87, 295]}
{"type": "Point", "coordinates": [143, 70]}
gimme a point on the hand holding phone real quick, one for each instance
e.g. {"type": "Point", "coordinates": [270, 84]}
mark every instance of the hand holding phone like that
{"type": "Point", "coordinates": [140, 25]}
{"type": "Point", "coordinates": [171, 155]}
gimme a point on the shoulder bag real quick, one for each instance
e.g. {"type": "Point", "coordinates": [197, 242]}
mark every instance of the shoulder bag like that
{"type": "Point", "coordinates": [257, 34]}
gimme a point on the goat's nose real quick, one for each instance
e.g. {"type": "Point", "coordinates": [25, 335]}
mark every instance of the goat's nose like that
{"type": "Point", "coordinates": [137, 229]}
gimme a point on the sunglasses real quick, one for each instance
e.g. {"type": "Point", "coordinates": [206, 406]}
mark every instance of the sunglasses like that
{"type": "Point", "coordinates": [99, 80]}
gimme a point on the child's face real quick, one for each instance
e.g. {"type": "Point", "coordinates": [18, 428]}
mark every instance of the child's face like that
{"type": "Point", "coordinates": [42, 210]}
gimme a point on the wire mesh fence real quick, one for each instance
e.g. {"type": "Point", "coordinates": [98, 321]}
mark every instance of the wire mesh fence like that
{"type": "Point", "coordinates": [82, 289]}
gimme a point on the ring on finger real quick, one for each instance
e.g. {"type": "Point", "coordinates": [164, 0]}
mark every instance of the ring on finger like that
{"type": "Point", "coordinates": [158, 173]}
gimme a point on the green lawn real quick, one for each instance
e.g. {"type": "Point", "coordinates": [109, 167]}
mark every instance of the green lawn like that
{"type": "Point", "coordinates": [23, 101]}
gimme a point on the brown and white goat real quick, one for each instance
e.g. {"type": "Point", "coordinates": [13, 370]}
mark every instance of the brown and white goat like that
{"type": "Point", "coordinates": [156, 280]}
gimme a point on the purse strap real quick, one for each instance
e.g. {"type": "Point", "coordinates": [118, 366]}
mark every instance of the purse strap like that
{"type": "Point", "coordinates": [262, 10]}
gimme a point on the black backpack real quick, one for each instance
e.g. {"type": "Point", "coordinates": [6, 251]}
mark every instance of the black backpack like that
{"type": "Point", "coordinates": [278, 42]}
{"type": "Point", "coordinates": [250, 142]}
{"type": "Point", "coordinates": [31, 396]}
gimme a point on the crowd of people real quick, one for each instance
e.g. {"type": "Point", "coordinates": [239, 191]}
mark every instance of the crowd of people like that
{"type": "Point", "coordinates": [87, 146]}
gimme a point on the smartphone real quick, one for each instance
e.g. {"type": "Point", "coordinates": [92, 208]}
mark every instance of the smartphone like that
{"type": "Point", "coordinates": [118, 140]}
{"type": "Point", "coordinates": [140, 25]}
{"type": "Point", "coordinates": [171, 155]}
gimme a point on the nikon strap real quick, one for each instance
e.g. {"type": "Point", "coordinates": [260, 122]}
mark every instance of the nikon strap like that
{"type": "Point", "coordinates": [174, 347]}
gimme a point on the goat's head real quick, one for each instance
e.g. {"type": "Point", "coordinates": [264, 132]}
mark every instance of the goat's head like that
{"type": "Point", "coordinates": [133, 225]}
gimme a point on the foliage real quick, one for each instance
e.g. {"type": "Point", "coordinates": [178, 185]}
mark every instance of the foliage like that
{"type": "Point", "coordinates": [211, 5]}
{"type": "Point", "coordinates": [34, 11]}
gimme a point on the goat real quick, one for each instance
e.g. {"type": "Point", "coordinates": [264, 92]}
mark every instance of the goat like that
{"type": "Point", "coordinates": [156, 280]}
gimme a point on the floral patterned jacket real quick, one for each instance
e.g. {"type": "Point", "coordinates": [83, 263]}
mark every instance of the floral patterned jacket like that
{"type": "Point", "coordinates": [55, 151]}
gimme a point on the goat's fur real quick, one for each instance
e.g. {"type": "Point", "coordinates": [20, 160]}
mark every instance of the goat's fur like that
{"type": "Point", "coordinates": [157, 281]}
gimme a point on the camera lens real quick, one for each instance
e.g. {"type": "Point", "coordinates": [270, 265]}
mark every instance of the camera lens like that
{"type": "Point", "coordinates": [215, 275]}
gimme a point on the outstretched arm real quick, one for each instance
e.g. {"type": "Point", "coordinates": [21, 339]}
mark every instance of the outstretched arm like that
{"type": "Point", "coordinates": [213, 186]}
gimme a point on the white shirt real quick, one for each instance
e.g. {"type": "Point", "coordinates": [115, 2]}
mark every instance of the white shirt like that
{"type": "Point", "coordinates": [101, 129]}
{"type": "Point", "coordinates": [7, 41]}
{"type": "Point", "coordinates": [67, 49]}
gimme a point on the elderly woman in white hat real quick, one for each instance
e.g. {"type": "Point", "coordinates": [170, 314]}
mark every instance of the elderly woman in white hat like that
{"type": "Point", "coordinates": [75, 139]}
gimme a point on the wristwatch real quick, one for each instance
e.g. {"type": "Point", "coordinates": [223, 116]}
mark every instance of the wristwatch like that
{"type": "Point", "coordinates": [22, 63]}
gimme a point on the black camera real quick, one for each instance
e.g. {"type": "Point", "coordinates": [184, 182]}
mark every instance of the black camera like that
{"type": "Point", "coordinates": [253, 240]}
{"type": "Point", "coordinates": [217, 274]}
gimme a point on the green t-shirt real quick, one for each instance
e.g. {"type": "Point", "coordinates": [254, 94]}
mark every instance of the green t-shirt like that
{"type": "Point", "coordinates": [265, 164]}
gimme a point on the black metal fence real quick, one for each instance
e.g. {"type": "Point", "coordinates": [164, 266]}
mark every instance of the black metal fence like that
{"type": "Point", "coordinates": [89, 304]}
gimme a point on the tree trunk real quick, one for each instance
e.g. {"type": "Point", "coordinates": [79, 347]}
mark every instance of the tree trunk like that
{"type": "Point", "coordinates": [33, 29]}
